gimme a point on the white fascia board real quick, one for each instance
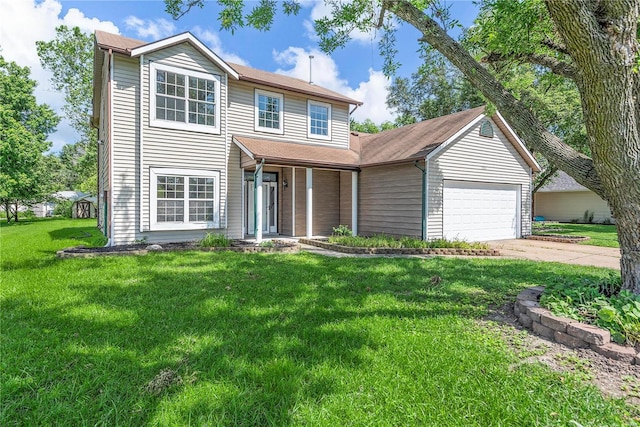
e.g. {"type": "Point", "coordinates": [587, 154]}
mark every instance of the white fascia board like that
{"type": "Point", "coordinates": [519, 141]}
{"type": "Point", "coordinates": [244, 149]}
{"type": "Point", "coordinates": [181, 38]}
{"type": "Point", "coordinates": [454, 137]}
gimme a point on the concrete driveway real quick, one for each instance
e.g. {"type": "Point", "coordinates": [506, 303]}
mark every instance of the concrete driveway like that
{"type": "Point", "coordinates": [567, 253]}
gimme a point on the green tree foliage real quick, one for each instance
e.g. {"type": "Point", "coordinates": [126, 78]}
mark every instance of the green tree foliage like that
{"type": "Point", "coordinates": [368, 126]}
{"type": "Point", "coordinates": [24, 126]}
{"type": "Point", "coordinates": [69, 56]}
{"type": "Point", "coordinates": [435, 90]}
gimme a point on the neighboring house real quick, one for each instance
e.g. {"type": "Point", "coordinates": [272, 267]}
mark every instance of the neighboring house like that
{"type": "Point", "coordinates": [45, 209]}
{"type": "Point", "coordinates": [190, 144]}
{"type": "Point", "coordinates": [563, 199]}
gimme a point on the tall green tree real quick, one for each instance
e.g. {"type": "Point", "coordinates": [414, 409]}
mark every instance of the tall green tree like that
{"type": "Point", "coordinates": [69, 56]}
{"type": "Point", "coordinates": [595, 44]}
{"type": "Point", "coordinates": [24, 126]}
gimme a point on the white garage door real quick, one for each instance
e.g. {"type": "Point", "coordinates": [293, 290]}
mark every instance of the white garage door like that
{"type": "Point", "coordinates": [478, 211]}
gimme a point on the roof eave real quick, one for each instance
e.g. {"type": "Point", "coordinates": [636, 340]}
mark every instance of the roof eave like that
{"type": "Point", "coordinates": [182, 38]}
{"type": "Point", "coordinates": [301, 91]}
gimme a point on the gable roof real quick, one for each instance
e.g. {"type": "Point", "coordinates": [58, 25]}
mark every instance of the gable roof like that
{"type": "Point", "coordinates": [132, 47]}
{"type": "Point", "coordinates": [419, 140]}
{"type": "Point", "coordinates": [562, 182]}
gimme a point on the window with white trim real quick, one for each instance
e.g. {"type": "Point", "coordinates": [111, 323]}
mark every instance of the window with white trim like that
{"type": "Point", "coordinates": [268, 112]}
{"type": "Point", "coordinates": [184, 99]}
{"type": "Point", "coordinates": [184, 199]}
{"type": "Point", "coordinates": [319, 120]}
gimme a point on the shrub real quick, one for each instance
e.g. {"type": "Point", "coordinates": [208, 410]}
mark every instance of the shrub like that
{"type": "Point", "coordinates": [384, 241]}
{"type": "Point", "coordinates": [63, 208]}
{"type": "Point", "coordinates": [267, 244]}
{"type": "Point", "coordinates": [587, 217]}
{"type": "Point", "coordinates": [215, 240]}
{"type": "Point", "coordinates": [597, 302]}
{"type": "Point", "coordinates": [342, 230]}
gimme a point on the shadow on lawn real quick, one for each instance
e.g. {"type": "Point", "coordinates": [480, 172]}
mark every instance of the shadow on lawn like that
{"type": "Point", "coordinates": [263, 332]}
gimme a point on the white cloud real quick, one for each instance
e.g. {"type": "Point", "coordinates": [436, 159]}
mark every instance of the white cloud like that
{"type": "Point", "coordinates": [26, 21]}
{"type": "Point", "coordinates": [373, 92]}
{"type": "Point", "coordinates": [320, 9]}
{"type": "Point", "coordinates": [213, 42]}
{"type": "Point", "coordinates": [152, 29]}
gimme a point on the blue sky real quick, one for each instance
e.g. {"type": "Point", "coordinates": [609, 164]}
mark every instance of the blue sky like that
{"type": "Point", "coordinates": [354, 70]}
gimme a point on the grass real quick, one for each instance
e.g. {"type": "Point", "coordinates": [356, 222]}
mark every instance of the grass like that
{"type": "Point", "coordinates": [219, 338]}
{"type": "Point", "coordinates": [600, 234]}
{"type": "Point", "coordinates": [384, 241]}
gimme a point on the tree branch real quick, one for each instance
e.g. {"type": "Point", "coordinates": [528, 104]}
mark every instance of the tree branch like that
{"type": "Point", "coordinates": [561, 155]}
{"type": "Point", "coordinates": [546, 174]}
{"type": "Point", "coordinates": [557, 66]}
{"type": "Point", "coordinates": [558, 47]}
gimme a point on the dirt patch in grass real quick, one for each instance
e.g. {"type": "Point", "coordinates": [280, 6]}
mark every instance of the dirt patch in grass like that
{"type": "Point", "coordinates": [614, 378]}
{"type": "Point", "coordinates": [166, 379]}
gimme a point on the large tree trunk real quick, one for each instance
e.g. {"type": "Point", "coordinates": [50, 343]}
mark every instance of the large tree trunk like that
{"type": "Point", "coordinates": [603, 44]}
{"type": "Point", "coordinates": [611, 105]}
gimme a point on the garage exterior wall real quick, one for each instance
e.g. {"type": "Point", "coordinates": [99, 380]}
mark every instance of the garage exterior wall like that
{"type": "Point", "coordinates": [390, 200]}
{"type": "Point", "coordinates": [477, 159]}
{"type": "Point", "coordinates": [571, 205]}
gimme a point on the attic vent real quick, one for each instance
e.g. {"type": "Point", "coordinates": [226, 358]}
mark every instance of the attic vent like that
{"type": "Point", "coordinates": [486, 129]}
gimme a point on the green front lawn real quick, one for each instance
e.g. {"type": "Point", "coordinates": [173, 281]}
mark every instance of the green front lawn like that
{"type": "Point", "coordinates": [600, 234]}
{"type": "Point", "coordinates": [219, 338]}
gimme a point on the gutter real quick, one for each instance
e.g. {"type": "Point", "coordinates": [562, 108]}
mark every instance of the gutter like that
{"type": "Point", "coordinates": [141, 137]}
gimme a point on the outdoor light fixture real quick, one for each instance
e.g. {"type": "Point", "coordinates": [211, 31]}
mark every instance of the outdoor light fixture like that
{"type": "Point", "coordinates": [285, 184]}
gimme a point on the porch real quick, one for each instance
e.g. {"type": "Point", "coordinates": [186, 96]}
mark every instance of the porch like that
{"type": "Point", "coordinates": [298, 196]}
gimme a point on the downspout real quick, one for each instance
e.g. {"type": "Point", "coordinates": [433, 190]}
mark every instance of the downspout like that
{"type": "Point", "coordinates": [141, 132]}
{"type": "Point", "coordinates": [424, 197]}
{"type": "Point", "coordinates": [227, 149]}
{"type": "Point", "coordinates": [255, 198]}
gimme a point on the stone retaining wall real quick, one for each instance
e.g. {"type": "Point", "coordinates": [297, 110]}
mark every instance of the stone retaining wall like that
{"type": "Point", "coordinates": [568, 331]}
{"type": "Point", "coordinates": [67, 253]}
{"type": "Point", "coordinates": [401, 251]}
{"type": "Point", "coordinates": [557, 238]}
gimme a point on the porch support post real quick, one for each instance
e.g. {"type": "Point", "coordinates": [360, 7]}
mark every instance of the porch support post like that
{"type": "Point", "coordinates": [354, 203]}
{"type": "Point", "coordinates": [293, 201]}
{"type": "Point", "coordinates": [257, 206]}
{"type": "Point", "coordinates": [309, 203]}
{"type": "Point", "coordinates": [243, 204]}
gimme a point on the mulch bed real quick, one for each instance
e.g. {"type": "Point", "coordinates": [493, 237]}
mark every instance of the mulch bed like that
{"type": "Point", "coordinates": [400, 251]}
{"type": "Point", "coordinates": [145, 248]}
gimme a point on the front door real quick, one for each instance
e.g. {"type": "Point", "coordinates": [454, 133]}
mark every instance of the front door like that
{"type": "Point", "coordinates": [269, 207]}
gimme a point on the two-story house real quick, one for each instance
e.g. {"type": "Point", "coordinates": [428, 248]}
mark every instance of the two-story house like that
{"type": "Point", "coordinates": [189, 143]}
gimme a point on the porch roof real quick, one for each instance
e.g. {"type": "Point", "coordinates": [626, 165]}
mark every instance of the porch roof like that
{"type": "Point", "coordinates": [303, 155]}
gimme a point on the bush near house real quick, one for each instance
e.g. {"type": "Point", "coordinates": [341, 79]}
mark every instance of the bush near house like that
{"type": "Point", "coordinates": [384, 241]}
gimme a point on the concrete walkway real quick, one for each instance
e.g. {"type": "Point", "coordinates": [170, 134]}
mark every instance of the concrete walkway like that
{"type": "Point", "coordinates": [567, 253]}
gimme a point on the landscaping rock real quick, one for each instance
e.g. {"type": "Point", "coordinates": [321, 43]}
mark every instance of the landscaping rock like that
{"type": "Point", "coordinates": [153, 248]}
{"type": "Point", "coordinates": [528, 295]}
{"type": "Point", "coordinates": [589, 333]}
{"type": "Point", "coordinates": [637, 359]}
{"type": "Point", "coordinates": [554, 322]}
{"type": "Point", "coordinates": [616, 352]}
{"type": "Point", "coordinates": [524, 306]}
{"type": "Point", "coordinates": [535, 313]}
{"type": "Point", "coordinates": [569, 340]}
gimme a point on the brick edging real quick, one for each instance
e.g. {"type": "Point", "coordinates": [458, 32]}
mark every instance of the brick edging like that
{"type": "Point", "coordinates": [557, 238]}
{"type": "Point", "coordinates": [400, 251]}
{"type": "Point", "coordinates": [242, 249]}
{"type": "Point", "coordinates": [567, 331]}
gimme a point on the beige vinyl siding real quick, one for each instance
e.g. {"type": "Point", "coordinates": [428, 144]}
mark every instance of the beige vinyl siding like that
{"type": "Point", "coordinates": [571, 205]}
{"type": "Point", "coordinates": [326, 201]}
{"type": "Point", "coordinates": [161, 147]}
{"type": "Point", "coordinates": [390, 200]}
{"type": "Point", "coordinates": [234, 194]}
{"type": "Point", "coordinates": [345, 199]}
{"type": "Point", "coordinates": [125, 150]}
{"type": "Point", "coordinates": [301, 202]}
{"type": "Point", "coordinates": [242, 116]}
{"type": "Point", "coordinates": [286, 198]}
{"type": "Point", "coordinates": [478, 159]}
{"type": "Point", "coordinates": [103, 148]}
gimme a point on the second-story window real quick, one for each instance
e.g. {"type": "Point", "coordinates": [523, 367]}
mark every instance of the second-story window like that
{"type": "Point", "coordinates": [184, 99]}
{"type": "Point", "coordinates": [319, 126]}
{"type": "Point", "coordinates": [269, 117]}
